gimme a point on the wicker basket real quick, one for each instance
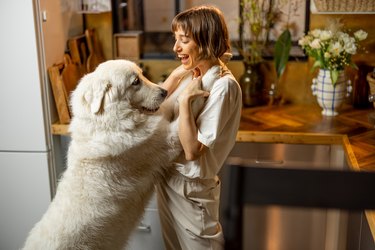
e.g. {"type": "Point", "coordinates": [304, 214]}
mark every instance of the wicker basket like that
{"type": "Point", "coordinates": [371, 83]}
{"type": "Point", "coordinates": [345, 5]}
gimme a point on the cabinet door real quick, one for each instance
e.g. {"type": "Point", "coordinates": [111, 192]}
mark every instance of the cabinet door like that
{"type": "Point", "coordinates": [24, 195]}
{"type": "Point", "coordinates": [148, 234]}
{"type": "Point", "coordinates": [367, 241]}
{"type": "Point", "coordinates": [21, 108]}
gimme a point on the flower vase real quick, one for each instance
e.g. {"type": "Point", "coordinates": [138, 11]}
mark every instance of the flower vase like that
{"type": "Point", "coordinates": [330, 96]}
{"type": "Point", "coordinates": [251, 83]}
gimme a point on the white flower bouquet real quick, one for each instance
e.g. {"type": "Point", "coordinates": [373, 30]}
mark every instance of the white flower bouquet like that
{"type": "Point", "coordinates": [332, 49]}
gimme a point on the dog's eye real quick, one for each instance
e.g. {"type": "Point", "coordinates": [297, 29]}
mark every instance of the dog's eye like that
{"type": "Point", "coordinates": [136, 81]}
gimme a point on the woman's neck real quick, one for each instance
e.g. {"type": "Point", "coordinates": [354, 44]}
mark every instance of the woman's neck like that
{"type": "Point", "coordinates": [205, 65]}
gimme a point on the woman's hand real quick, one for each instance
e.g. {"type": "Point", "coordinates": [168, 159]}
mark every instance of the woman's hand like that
{"type": "Point", "coordinates": [192, 91]}
{"type": "Point", "coordinates": [173, 80]}
{"type": "Point", "coordinates": [180, 72]}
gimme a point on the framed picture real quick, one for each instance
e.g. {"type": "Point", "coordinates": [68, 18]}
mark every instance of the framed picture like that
{"type": "Point", "coordinates": [294, 15]}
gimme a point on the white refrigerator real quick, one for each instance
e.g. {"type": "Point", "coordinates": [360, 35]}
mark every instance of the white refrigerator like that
{"type": "Point", "coordinates": [25, 142]}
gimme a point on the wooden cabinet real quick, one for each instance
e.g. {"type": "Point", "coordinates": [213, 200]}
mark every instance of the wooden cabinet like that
{"type": "Point", "coordinates": [128, 45]}
{"type": "Point", "coordinates": [297, 195]}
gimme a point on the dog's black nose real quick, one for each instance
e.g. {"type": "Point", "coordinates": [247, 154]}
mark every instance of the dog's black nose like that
{"type": "Point", "coordinates": [163, 93]}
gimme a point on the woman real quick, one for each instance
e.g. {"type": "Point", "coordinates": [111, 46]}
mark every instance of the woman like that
{"type": "Point", "coordinates": [189, 201]}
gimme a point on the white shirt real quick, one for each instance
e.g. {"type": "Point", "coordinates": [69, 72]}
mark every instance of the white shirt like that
{"type": "Point", "coordinates": [217, 129]}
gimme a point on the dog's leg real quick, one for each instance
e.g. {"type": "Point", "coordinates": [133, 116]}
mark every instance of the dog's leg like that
{"type": "Point", "coordinates": [173, 140]}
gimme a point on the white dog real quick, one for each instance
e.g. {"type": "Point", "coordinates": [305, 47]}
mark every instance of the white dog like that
{"type": "Point", "coordinates": [120, 147]}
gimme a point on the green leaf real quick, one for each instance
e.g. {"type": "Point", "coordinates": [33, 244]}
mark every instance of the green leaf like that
{"type": "Point", "coordinates": [334, 76]}
{"type": "Point", "coordinates": [282, 49]}
{"type": "Point", "coordinates": [317, 64]}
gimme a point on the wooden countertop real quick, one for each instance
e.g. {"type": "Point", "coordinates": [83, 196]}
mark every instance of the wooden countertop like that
{"type": "Point", "coordinates": [304, 124]}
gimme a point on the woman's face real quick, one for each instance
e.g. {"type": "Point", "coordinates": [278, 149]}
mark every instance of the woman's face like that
{"type": "Point", "coordinates": [186, 49]}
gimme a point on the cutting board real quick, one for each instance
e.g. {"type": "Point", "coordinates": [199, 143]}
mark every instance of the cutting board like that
{"type": "Point", "coordinates": [78, 51]}
{"type": "Point", "coordinates": [59, 92]}
{"type": "Point", "coordinates": [64, 78]}
{"type": "Point", "coordinates": [95, 53]}
{"type": "Point", "coordinates": [70, 75]}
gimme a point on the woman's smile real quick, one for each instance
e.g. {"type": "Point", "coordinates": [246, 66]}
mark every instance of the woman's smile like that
{"type": "Point", "coordinates": [184, 58]}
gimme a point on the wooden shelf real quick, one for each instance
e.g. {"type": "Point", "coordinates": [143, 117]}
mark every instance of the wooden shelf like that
{"type": "Point", "coordinates": [93, 11]}
{"type": "Point", "coordinates": [59, 129]}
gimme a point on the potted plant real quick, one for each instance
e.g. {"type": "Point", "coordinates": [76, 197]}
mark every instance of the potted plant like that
{"type": "Point", "coordinates": [255, 21]}
{"type": "Point", "coordinates": [332, 50]}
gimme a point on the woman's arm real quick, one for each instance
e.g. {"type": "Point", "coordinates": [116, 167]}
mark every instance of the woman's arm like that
{"type": "Point", "coordinates": [188, 131]}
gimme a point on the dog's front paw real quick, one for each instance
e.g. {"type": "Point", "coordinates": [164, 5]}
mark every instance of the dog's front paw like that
{"type": "Point", "coordinates": [167, 109]}
{"type": "Point", "coordinates": [173, 140]}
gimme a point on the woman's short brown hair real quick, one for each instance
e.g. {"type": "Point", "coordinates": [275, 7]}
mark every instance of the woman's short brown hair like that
{"type": "Point", "coordinates": [206, 25]}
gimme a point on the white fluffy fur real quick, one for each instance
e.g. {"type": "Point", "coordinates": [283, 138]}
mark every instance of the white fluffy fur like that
{"type": "Point", "coordinates": [117, 153]}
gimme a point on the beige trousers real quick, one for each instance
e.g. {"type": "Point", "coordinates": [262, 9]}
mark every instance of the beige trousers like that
{"type": "Point", "coordinates": [189, 213]}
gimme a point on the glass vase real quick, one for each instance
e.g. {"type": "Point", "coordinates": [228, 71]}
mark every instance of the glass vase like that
{"type": "Point", "coordinates": [251, 83]}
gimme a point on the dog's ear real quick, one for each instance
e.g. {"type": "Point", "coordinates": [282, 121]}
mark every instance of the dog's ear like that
{"type": "Point", "coordinates": [97, 99]}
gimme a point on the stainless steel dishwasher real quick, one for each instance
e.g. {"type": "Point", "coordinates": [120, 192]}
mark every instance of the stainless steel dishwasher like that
{"type": "Point", "coordinates": [266, 225]}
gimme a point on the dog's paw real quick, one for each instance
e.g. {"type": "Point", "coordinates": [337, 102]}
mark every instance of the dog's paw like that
{"type": "Point", "coordinates": [167, 109]}
{"type": "Point", "coordinates": [173, 140]}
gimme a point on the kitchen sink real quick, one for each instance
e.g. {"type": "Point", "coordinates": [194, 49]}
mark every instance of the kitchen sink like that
{"type": "Point", "coordinates": [292, 196]}
{"type": "Point", "coordinates": [281, 155]}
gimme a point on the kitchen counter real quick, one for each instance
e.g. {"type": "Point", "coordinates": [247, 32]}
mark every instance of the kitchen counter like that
{"type": "Point", "coordinates": [304, 124]}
